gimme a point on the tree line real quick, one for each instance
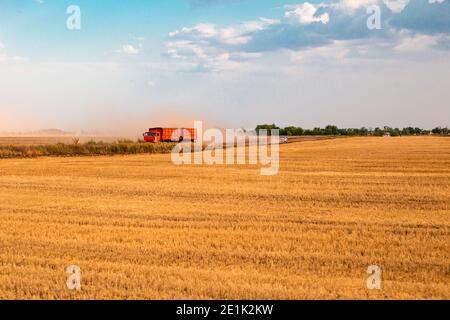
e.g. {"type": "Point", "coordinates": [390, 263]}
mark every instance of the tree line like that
{"type": "Point", "coordinates": [332, 130]}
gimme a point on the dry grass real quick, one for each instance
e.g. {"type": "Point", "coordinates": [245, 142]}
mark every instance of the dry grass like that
{"type": "Point", "coordinates": [46, 140]}
{"type": "Point", "coordinates": [91, 148]}
{"type": "Point", "coordinates": [140, 227]}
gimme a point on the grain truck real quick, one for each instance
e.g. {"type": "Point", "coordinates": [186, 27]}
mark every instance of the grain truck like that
{"type": "Point", "coordinates": [170, 135]}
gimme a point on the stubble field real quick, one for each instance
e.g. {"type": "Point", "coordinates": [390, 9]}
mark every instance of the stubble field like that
{"type": "Point", "coordinates": [140, 227]}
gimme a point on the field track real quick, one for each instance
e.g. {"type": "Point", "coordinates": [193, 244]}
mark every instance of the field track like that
{"type": "Point", "coordinates": [141, 227]}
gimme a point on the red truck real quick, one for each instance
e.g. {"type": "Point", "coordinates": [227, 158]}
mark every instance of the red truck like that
{"type": "Point", "coordinates": [170, 135]}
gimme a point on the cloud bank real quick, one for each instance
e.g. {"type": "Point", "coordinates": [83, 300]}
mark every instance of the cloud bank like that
{"type": "Point", "coordinates": [209, 47]}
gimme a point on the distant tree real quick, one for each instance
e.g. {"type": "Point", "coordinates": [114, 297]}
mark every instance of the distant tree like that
{"type": "Point", "coordinates": [364, 131]}
{"type": "Point", "coordinates": [267, 127]}
{"type": "Point", "coordinates": [293, 131]}
{"type": "Point", "coordinates": [343, 132]}
{"type": "Point", "coordinates": [331, 130]}
{"type": "Point", "coordinates": [396, 132]}
{"type": "Point", "coordinates": [378, 132]}
{"type": "Point", "coordinates": [317, 132]}
{"type": "Point", "coordinates": [437, 130]}
{"type": "Point", "coordinates": [409, 131]}
{"type": "Point", "coordinates": [334, 130]}
{"type": "Point", "coordinates": [351, 132]}
{"type": "Point", "coordinates": [440, 130]}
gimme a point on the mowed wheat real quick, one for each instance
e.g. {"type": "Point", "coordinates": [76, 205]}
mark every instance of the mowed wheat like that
{"type": "Point", "coordinates": [140, 227]}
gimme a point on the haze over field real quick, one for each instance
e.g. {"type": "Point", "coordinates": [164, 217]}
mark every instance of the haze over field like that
{"type": "Point", "coordinates": [235, 63]}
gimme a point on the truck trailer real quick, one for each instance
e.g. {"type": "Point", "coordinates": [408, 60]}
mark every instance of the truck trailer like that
{"type": "Point", "coordinates": [170, 135]}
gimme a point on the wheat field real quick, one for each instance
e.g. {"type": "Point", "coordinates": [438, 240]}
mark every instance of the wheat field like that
{"type": "Point", "coordinates": [140, 227]}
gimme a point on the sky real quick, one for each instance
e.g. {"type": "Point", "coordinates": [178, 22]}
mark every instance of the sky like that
{"type": "Point", "coordinates": [133, 64]}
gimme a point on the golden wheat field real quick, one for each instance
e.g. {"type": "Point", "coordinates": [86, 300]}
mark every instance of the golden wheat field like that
{"type": "Point", "coordinates": [140, 227]}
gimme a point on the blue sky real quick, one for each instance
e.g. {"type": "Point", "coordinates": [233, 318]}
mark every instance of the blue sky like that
{"type": "Point", "coordinates": [231, 63]}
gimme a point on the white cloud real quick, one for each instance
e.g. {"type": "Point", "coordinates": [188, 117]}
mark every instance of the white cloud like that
{"type": "Point", "coordinates": [306, 13]}
{"type": "Point", "coordinates": [417, 43]}
{"type": "Point", "coordinates": [350, 6]}
{"type": "Point", "coordinates": [193, 57]}
{"type": "Point", "coordinates": [206, 47]}
{"type": "Point", "coordinates": [234, 35]}
{"type": "Point", "coordinates": [396, 6]}
{"type": "Point", "coordinates": [202, 30]}
{"type": "Point", "coordinates": [183, 49]}
{"type": "Point", "coordinates": [1, 45]}
{"type": "Point", "coordinates": [129, 49]}
{"type": "Point", "coordinates": [336, 51]}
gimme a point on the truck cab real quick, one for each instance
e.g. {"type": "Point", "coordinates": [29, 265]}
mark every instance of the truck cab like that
{"type": "Point", "coordinates": [152, 136]}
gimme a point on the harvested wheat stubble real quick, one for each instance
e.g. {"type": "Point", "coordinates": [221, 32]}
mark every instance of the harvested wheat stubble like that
{"type": "Point", "coordinates": [141, 227]}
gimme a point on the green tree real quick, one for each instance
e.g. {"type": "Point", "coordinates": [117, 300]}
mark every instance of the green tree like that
{"type": "Point", "coordinates": [436, 130]}
{"type": "Point", "coordinates": [267, 127]}
{"type": "Point", "coordinates": [331, 130]}
{"type": "Point", "coordinates": [293, 131]}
